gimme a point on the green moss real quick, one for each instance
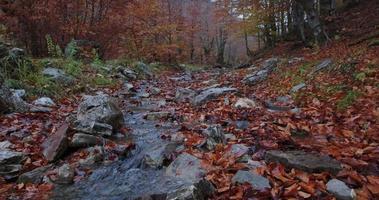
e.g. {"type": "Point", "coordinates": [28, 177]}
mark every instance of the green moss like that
{"type": "Point", "coordinates": [102, 81]}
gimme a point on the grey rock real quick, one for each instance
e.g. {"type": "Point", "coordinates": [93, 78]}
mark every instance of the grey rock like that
{"type": "Point", "coordinates": [18, 93]}
{"type": "Point", "coordinates": [184, 95]}
{"type": "Point", "coordinates": [186, 167]}
{"type": "Point", "coordinates": [198, 191]}
{"type": "Point", "coordinates": [11, 103]}
{"type": "Point", "coordinates": [155, 156]}
{"type": "Point", "coordinates": [298, 87]}
{"type": "Point", "coordinates": [58, 76]}
{"type": "Point", "coordinates": [11, 157]}
{"type": "Point", "coordinates": [128, 73]}
{"type": "Point", "coordinates": [155, 91]}
{"type": "Point", "coordinates": [237, 151]}
{"type": "Point", "coordinates": [39, 109]}
{"type": "Point", "coordinates": [17, 52]}
{"type": "Point", "coordinates": [44, 102]}
{"type": "Point", "coordinates": [242, 125]}
{"type": "Point", "coordinates": [270, 64]}
{"type": "Point", "coordinates": [129, 87]}
{"type": "Point", "coordinates": [322, 65]}
{"type": "Point", "coordinates": [252, 164]}
{"type": "Point", "coordinates": [214, 135]}
{"type": "Point", "coordinates": [101, 109]}
{"type": "Point", "coordinates": [80, 140]}
{"type": "Point", "coordinates": [185, 77]}
{"type": "Point", "coordinates": [56, 145]}
{"type": "Point", "coordinates": [157, 115]}
{"type": "Point", "coordinates": [35, 176]}
{"type": "Point", "coordinates": [230, 136]}
{"type": "Point", "coordinates": [66, 174]}
{"type": "Point", "coordinates": [258, 182]}
{"type": "Point", "coordinates": [93, 128]}
{"type": "Point", "coordinates": [340, 190]}
{"type": "Point", "coordinates": [245, 103]}
{"type": "Point", "coordinates": [212, 93]}
{"type": "Point", "coordinates": [295, 60]}
{"type": "Point", "coordinates": [256, 77]}
{"type": "Point", "coordinates": [143, 69]}
{"type": "Point", "coordinates": [309, 162]}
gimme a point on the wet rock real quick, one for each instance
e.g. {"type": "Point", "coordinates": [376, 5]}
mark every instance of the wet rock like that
{"type": "Point", "coordinates": [35, 176]}
{"type": "Point", "coordinates": [56, 145]}
{"type": "Point", "coordinates": [214, 135]}
{"type": "Point", "coordinates": [322, 65]}
{"type": "Point", "coordinates": [210, 94]}
{"type": "Point", "coordinates": [237, 151]}
{"type": "Point", "coordinates": [157, 115]}
{"type": "Point", "coordinates": [298, 87]}
{"type": "Point", "coordinates": [58, 76]}
{"type": "Point", "coordinates": [184, 95]}
{"type": "Point", "coordinates": [245, 103]}
{"type": "Point", "coordinates": [309, 162]}
{"type": "Point", "coordinates": [44, 102]}
{"type": "Point", "coordinates": [101, 109]}
{"type": "Point", "coordinates": [5, 145]}
{"type": "Point", "coordinates": [258, 182]}
{"type": "Point", "coordinates": [340, 190]}
{"type": "Point", "coordinates": [80, 140]}
{"type": "Point", "coordinates": [186, 167]}
{"type": "Point", "coordinates": [66, 174]}
{"type": "Point", "coordinates": [155, 157]}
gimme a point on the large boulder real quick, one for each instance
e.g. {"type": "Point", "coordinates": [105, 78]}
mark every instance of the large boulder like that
{"type": "Point", "coordinates": [309, 162]}
{"type": "Point", "coordinates": [56, 145]}
{"type": "Point", "coordinates": [100, 109]}
{"type": "Point", "coordinates": [212, 93]}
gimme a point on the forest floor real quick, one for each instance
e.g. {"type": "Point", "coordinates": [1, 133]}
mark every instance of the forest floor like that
{"type": "Point", "coordinates": [337, 114]}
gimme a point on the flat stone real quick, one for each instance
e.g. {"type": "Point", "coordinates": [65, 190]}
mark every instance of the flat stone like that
{"type": "Point", "coordinates": [309, 162]}
{"type": "Point", "coordinates": [322, 65]}
{"type": "Point", "coordinates": [212, 93]}
{"type": "Point", "coordinates": [56, 145]}
{"type": "Point", "coordinates": [44, 102]}
{"type": "Point", "coordinates": [93, 128]}
{"type": "Point", "coordinates": [258, 182]}
{"type": "Point", "coordinates": [187, 167]}
{"type": "Point", "coordinates": [80, 140]}
{"type": "Point", "coordinates": [340, 190]}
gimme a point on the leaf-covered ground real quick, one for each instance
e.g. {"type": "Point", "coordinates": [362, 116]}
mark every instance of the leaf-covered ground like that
{"type": "Point", "coordinates": [339, 117]}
